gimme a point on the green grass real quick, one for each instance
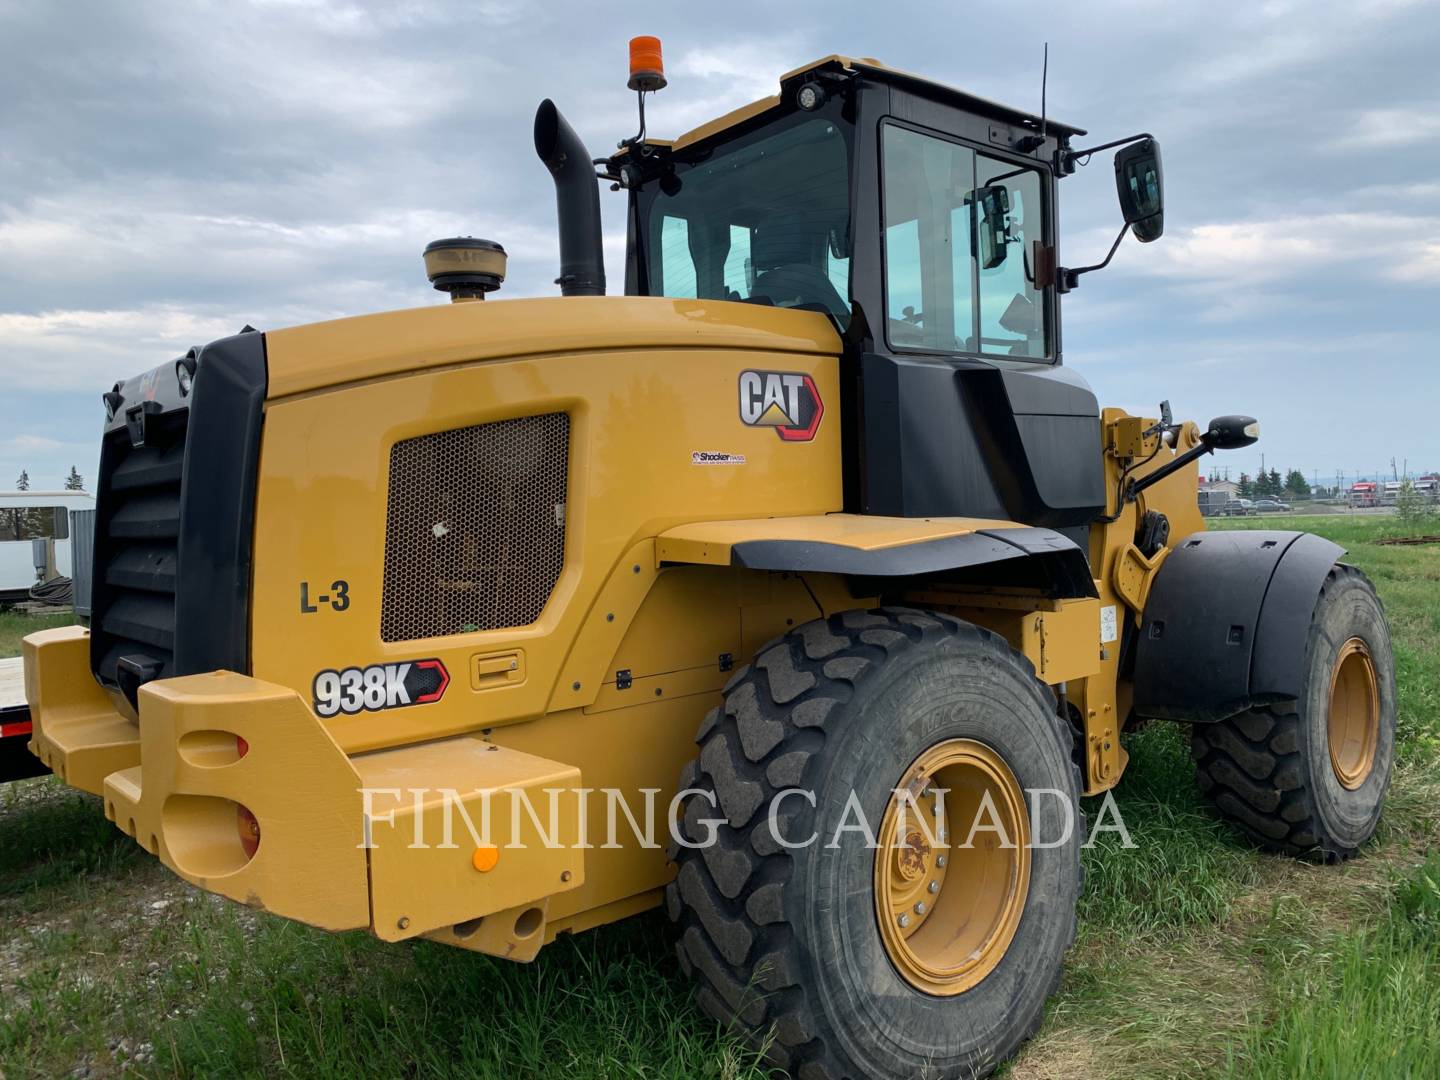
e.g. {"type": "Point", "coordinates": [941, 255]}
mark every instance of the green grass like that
{"type": "Point", "coordinates": [15, 625]}
{"type": "Point", "coordinates": [1197, 956]}
{"type": "Point", "coordinates": [1359, 1004]}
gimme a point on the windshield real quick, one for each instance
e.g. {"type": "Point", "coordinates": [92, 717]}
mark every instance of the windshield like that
{"type": "Point", "coordinates": [765, 221]}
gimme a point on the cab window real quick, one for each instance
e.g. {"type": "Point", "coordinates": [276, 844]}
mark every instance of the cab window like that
{"type": "Point", "coordinates": [959, 232]}
{"type": "Point", "coordinates": [765, 221]}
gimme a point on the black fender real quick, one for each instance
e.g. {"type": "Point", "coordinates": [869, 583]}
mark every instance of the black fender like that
{"type": "Point", "coordinates": [1010, 556]}
{"type": "Point", "coordinates": [1227, 622]}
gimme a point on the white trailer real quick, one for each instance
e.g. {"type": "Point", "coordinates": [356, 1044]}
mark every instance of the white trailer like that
{"type": "Point", "coordinates": [33, 515]}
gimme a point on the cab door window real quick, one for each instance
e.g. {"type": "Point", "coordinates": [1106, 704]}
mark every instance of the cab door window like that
{"type": "Point", "coordinates": [1013, 308]}
{"type": "Point", "coordinates": [929, 282]}
{"type": "Point", "coordinates": [960, 229]}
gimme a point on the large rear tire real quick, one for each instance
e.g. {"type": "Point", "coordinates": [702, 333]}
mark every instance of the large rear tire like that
{"type": "Point", "coordinates": [904, 959]}
{"type": "Point", "coordinates": [1309, 777]}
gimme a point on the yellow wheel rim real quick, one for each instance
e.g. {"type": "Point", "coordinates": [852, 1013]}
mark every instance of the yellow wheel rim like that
{"type": "Point", "coordinates": [949, 909]}
{"type": "Point", "coordinates": [1354, 723]}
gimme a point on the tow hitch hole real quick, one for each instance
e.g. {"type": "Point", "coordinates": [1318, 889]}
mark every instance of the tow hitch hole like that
{"type": "Point", "coordinates": [468, 927]}
{"type": "Point", "coordinates": [529, 922]}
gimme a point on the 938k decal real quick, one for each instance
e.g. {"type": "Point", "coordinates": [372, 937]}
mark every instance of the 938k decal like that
{"type": "Point", "coordinates": [379, 686]}
{"type": "Point", "coordinates": [787, 401]}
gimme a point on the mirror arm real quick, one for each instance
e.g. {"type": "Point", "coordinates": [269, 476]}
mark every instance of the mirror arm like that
{"type": "Point", "coordinates": [1067, 279]}
{"type": "Point", "coordinates": [1200, 449]}
{"type": "Point", "coordinates": [1070, 157]}
{"type": "Point", "coordinates": [1135, 487]}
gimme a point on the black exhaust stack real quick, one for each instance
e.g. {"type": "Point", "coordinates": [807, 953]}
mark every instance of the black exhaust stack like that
{"type": "Point", "coordinates": [577, 197]}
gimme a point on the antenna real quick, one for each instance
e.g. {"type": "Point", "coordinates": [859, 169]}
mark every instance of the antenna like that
{"type": "Point", "coordinates": [1028, 143]}
{"type": "Point", "coordinates": [1044, 78]}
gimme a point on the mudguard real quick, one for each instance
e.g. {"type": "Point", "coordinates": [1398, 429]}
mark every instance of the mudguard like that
{"type": "Point", "coordinates": [1226, 623]}
{"type": "Point", "coordinates": [876, 547]}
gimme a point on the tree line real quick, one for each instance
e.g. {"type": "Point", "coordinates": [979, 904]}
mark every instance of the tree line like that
{"type": "Point", "coordinates": [73, 482]}
{"type": "Point", "coordinates": [1271, 485]}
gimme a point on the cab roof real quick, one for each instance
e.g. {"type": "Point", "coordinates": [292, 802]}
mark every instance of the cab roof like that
{"type": "Point", "coordinates": [874, 69]}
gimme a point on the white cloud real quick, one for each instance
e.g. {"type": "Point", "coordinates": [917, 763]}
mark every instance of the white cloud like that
{"type": "Point", "coordinates": [19, 444]}
{"type": "Point", "coordinates": [1239, 254]}
{"type": "Point", "coordinates": [1376, 129]}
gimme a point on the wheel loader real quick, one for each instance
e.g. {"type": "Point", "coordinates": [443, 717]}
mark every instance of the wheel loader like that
{"type": "Point", "coordinates": [801, 590]}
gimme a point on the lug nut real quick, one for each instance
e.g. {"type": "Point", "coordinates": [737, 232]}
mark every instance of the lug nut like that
{"type": "Point", "coordinates": [920, 908]}
{"type": "Point", "coordinates": [934, 887]}
{"type": "Point", "coordinates": [904, 921]}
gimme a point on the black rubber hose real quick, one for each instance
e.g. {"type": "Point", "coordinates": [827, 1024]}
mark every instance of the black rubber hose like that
{"type": "Point", "coordinates": [57, 592]}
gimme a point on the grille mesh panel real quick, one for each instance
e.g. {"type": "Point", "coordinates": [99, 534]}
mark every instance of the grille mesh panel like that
{"type": "Point", "coordinates": [475, 528]}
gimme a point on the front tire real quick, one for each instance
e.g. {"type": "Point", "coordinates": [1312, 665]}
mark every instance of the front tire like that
{"type": "Point", "coordinates": [786, 943]}
{"type": "Point", "coordinates": [1309, 777]}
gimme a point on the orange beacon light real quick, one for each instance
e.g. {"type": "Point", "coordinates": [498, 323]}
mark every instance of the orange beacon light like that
{"type": "Point", "coordinates": [647, 68]}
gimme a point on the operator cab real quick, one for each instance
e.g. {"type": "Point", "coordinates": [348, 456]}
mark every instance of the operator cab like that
{"type": "Point", "coordinates": [758, 207]}
{"type": "Point", "coordinates": [922, 221]}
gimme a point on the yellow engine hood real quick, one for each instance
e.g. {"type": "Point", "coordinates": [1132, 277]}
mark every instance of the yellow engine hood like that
{"type": "Point", "coordinates": [326, 354]}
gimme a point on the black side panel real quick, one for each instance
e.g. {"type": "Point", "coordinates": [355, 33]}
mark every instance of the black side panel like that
{"type": "Point", "coordinates": [1226, 621]}
{"type": "Point", "coordinates": [217, 510]}
{"type": "Point", "coordinates": [965, 438]}
{"type": "Point", "coordinates": [1032, 557]}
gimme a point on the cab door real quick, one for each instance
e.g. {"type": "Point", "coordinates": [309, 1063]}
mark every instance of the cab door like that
{"type": "Point", "coordinates": [964, 407]}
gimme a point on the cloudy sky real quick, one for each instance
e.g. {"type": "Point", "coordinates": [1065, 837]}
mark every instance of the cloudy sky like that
{"type": "Point", "coordinates": [172, 171]}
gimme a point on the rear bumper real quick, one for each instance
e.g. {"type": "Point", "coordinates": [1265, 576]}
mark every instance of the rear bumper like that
{"type": "Point", "coordinates": [177, 781]}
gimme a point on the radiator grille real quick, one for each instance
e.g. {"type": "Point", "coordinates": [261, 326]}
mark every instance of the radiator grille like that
{"type": "Point", "coordinates": [137, 529]}
{"type": "Point", "coordinates": [475, 527]}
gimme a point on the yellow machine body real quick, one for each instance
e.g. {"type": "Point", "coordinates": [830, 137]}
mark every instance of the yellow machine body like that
{"type": "Point", "coordinates": [648, 589]}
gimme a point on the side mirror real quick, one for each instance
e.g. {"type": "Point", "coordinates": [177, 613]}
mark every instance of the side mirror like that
{"type": "Point", "coordinates": [994, 204]}
{"type": "Point", "coordinates": [1231, 432]}
{"type": "Point", "coordinates": [1140, 184]}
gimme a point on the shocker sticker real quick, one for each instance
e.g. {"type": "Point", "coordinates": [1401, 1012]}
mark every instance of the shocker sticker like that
{"type": "Point", "coordinates": [354, 690]}
{"type": "Point", "coordinates": [784, 400]}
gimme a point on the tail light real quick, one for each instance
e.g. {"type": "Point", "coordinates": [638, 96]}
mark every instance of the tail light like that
{"type": "Point", "coordinates": [245, 820]}
{"type": "Point", "coordinates": [249, 830]}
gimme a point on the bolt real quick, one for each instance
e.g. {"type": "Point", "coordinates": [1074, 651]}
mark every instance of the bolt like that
{"type": "Point", "coordinates": [904, 921]}
{"type": "Point", "coordinates": [575, 685]}
{"type": "Point", "coordinates": [920, 908]}
{"type": "Point", "coordinates": [404, 922]}
{"type": "Point", "coordinates": [934, 887]}
{"type": "Point", "coordinates": [941, 860]}
{"type": "Point", "coordinates": [566, 875]}
{"type": "Point", "coordinates": [610, 616]}
{"type": "Point", "coordinates": [635, 569]}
